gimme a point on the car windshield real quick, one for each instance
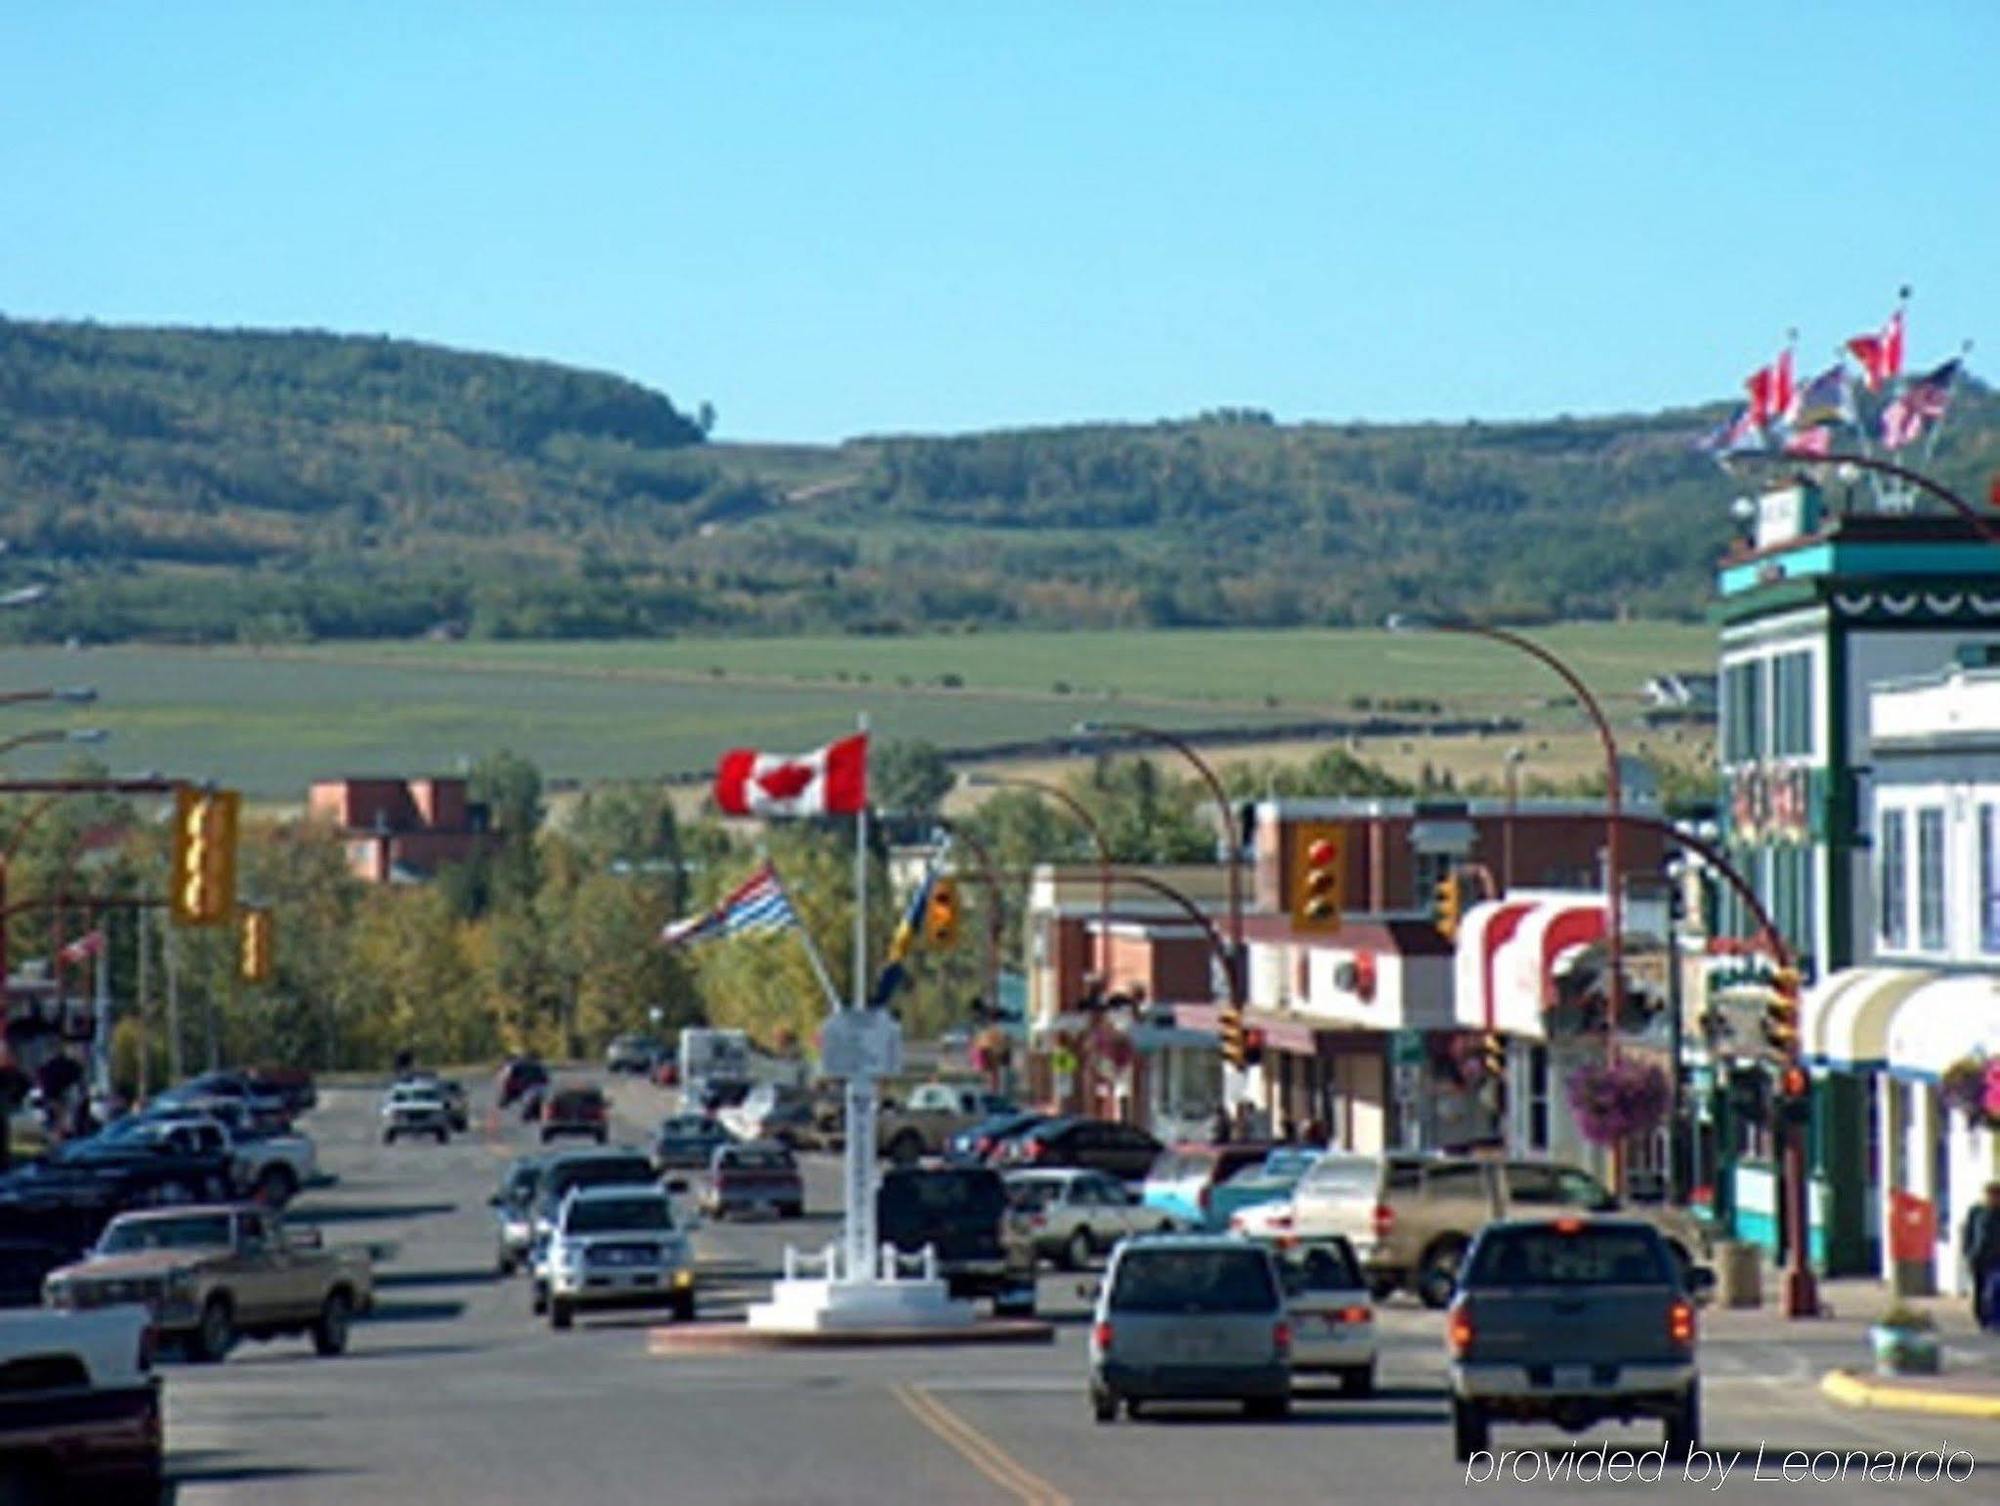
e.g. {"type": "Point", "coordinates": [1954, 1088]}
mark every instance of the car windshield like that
{"type": "Point", "coordinates": [558, 1180]}
{"type": "Point", "coordinates": [578, 1101]}
{"type": "Point", "coordinates": [1194, 1281]}
{"type": "Point", "coordinates": [1323, 1266]}
{"type": "Point", "coordinates": [1288, 1163]}
{"type": "Point", "coordinates": [602, 1215]}
{"type": "Point", "coordinates": [194, 1231]}
{"type": "Point", "coordinates": [1350, 1177]}
{"type": "Point", "coordinates": [1562, 1256]}
{"type": "Point", "coordinates": [756, 1160]}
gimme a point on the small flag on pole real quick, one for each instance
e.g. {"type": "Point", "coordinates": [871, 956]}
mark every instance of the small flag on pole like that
{"type": "Point", "coordinates": [1880, 354]}
{"type": "Point", "coordinates": [828, 781]}
{"type": "Point", "coordinates": [759, 903]}
{"type": "Point", "coordinates": [1828, 399]}
{"type": "Point", "coordinates": [1919, 405]}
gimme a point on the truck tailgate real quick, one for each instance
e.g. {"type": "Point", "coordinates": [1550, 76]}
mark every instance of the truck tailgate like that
{"type": "Point", "coordinates": [1597, 1325]}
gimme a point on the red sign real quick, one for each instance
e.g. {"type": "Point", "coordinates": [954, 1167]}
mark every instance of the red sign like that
{"type": "Point", "coordinates": [1912, 1227]}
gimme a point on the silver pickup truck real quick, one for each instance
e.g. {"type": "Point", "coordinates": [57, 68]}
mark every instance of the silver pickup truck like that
{"type": "Point", "coordinates": [1569, 1321]}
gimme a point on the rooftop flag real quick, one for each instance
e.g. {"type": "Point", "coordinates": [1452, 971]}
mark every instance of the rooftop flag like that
{"type": "Point", "coordinates": [1919, 405]}
{"type": "Point", "coordinates": [1828, 399]}
{"type": "Point", "coordinates": [1880, 354]}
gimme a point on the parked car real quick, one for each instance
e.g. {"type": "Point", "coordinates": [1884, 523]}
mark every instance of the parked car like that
{"type": "Point", "coordinates": [513, 1209]}
{"type": "Point", "coordinates": [1189, 1317]}
{"type": "Point", "coordinates": [270, 1168]}
{"type": "Point", "coordinates": [635, 1054]}
{"type": "Point", "coordinates": [214, 1274]}
{"type": "Point", "coordinates": [617, 1246]}
{"type": "Point", "coordinates": [266, 1108]}
{"type": "Point", "coordinates": [1412, 1218]}
{"type": "Point", "coordinates": [982, 1141]}
{"type": "Point", "coordinates": [1120, 1150]}
{"type": "Point", "coordinates": [961, 1212]}
{"type": "Point", "coordinates": [415, 1108]}
{"type": "Point", "coordinates": [293, 1086]}
{"type": "Point", "coordinates": [576, 1111]}
{"type": "Point", "coordinates": [1333, 1317]}
{"type": "Point", "coordinates": [1071, 1217]}
{"type": "Point", "coordinates": [1572, 1320]}
{"type": "Point", "coordinates": [923, 1120]}
{"type": "Point", "coordinates": [1182, 1181]}
{"type": "Point", "coordinates": [80, 1407]}
{"type": "Point", "coordinates": [688, 1142]}
{"type": "Point", "coordinates": [521, 1076]}
{"type": "Point", "coordinates": [759, 1176]}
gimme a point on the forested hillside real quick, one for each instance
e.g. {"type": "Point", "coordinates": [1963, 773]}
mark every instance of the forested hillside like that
{"type": "Point", "coordinates": [206, 485]}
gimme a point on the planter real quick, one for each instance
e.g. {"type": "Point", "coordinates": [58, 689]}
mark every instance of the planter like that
{"type": "Point", "coordinates": [1904, 1351]}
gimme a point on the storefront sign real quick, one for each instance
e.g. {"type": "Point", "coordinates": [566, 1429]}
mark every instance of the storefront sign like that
{"type": "Point", "coordinates": [1770, 803]}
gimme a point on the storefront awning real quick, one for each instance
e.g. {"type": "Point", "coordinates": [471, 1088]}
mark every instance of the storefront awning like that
{"type": "Point", "coordinates": [1845, 1019]}
{"type": "Point", "coordinates": [1945, 1019]}
{"type": "Point", "coordinates": [1509, 953]}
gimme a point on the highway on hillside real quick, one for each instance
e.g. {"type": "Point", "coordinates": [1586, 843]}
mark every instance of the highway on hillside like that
{"type": "Point", "coordinates": [455, 1396]}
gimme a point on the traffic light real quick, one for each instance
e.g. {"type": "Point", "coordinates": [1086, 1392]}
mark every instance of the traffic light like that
{"type": "Point", "coordinates": [203, 883]}
{"type": "Point", "coordinates": [254, 946]}
{"type": "Point", "coordinates": [1318, 876]}
{"type": "Point", "coordinates": [1781, 1012]}
{"type": "Point", "coordinates": [1494, 1053]}
{"type": "Point", "coordinates": [941, 914]}
{"type": "Point", "coordinates": [1253, 1047]}
{"type": "Point", "coordinates": [1235, 1039]}
{"type": "Point", "coordinates": [1793, 1102]}
{"type": "Point", "coordinates": [1447, 902]}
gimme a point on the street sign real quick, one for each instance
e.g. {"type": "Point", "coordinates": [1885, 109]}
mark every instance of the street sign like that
{"type": "Point", "coordinates": [861, 1043]}
{"type": "Point", "coordinates": [1406, 1048]}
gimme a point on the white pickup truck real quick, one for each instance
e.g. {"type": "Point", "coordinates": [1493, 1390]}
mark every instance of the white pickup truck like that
{"type": "Point", "coordinates": [927, 1116]}
{"type": "Point", "coordinates": [269, 1167]}
{"type": "Point", "coordinates": [79, 1406]}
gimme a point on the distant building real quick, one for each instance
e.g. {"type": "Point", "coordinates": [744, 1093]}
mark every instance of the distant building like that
{"type": "Point", "coordinates": [401, 831]}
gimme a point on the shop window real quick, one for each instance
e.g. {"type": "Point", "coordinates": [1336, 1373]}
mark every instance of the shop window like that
{"type": "Point", "coordinates": [1538, 1098]}
{"type": "Point", "coordinates": [1792, 705]}
{"type": "Point", "coordinates": [1892, 879]}
{"type": "Point", "coordinates": [1989, 879]}
{"type": "Point", "coordinates": [1930, 880]}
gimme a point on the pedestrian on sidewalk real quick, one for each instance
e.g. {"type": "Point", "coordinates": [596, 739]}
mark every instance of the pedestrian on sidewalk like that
{"type": "Point", "coordinates": [1981, 1244]}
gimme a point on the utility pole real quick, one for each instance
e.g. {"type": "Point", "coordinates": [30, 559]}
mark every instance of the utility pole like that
{"type": "Point", "coordinates": [176, 1066]}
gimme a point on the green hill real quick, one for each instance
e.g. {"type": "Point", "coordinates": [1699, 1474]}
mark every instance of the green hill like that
{"type": "Point", "coordinates": [279, 486]}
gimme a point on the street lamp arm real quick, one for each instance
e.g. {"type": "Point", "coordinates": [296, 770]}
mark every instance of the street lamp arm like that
{"type": "Point", "coordinates": [1222, 949]}
{"type": "Point", "coordinates": [1918, 479]}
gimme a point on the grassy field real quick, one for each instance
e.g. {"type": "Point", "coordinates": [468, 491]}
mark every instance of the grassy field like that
{"type": "Point", "coordinates": [271, 722]}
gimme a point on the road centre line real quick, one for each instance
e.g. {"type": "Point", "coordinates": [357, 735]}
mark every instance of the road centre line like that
{"type": "Point", "coordinates": [977, 1449]}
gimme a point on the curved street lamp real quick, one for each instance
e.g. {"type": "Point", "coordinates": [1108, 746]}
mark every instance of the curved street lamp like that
{"type": "Point", "coordinates": [53, 735]}
{"type": "Point", "coordinates": [1231, 838]}
{"type": "Point", "coordinates": [74, 695]}
{"type": "Point", "coordinates": [1091, 825]}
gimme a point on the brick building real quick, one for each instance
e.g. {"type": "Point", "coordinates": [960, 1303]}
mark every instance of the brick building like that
{"type": "Point", "coordinates": [401, 830]}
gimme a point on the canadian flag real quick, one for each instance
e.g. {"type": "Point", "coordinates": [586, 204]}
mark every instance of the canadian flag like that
{"type": "Point", "coordinates": [828, 781]}
{"type": "Point", "coordinates": [81, 949]}
{"type": "Point", "coordinates": [1880, 355]}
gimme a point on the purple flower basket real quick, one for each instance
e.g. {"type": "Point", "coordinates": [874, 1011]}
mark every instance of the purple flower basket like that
{"type": "Point", "coordinates": [1612, 1103]}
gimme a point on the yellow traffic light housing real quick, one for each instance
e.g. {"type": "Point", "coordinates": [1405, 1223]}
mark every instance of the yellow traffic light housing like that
{"type": "Point", "coordinates": [254, 946]}
{"type": "Point", "coordinates": [202, 886]}
{"type": "Point", "coordinates": [1235, 1039]}
{"type": "Point", "coordinates": [1318, 876]}
{"type": "Point", "coordinates": [941, 914]}
{"type": "Point", "coordinates": [1494, 1053]}
{"type": "Point", "coordinates": [1447, 904]}
{"type": "Point", "coordinates": [1781, 1012]}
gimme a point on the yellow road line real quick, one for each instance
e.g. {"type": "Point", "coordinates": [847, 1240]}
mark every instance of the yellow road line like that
{"type": "Point", "coordinates": [981, 1452]}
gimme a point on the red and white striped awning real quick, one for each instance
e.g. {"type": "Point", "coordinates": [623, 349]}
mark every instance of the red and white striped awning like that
{"type": "Point", "coordinates": [1510, 952]}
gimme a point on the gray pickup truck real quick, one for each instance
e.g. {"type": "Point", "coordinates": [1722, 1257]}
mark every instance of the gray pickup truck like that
{"type": "Point", "coordinates": [1569, 1321]}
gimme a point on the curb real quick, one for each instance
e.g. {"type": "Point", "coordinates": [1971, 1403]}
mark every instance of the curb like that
{"type": "Point", "coordinates": [739, 1338]}
{"type": "Point", "coordinates": [1850, 1390]}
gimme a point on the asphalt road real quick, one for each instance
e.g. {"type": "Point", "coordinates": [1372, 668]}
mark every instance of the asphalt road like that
{"type": "Point", "coordinates": [455, 1396]}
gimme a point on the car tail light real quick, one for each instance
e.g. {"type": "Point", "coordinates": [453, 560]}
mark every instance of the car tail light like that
{"type": "Point", "coordinates": [1680, 1323]}
{"type": "Point", "coordinates": [982, 1145]}
{"type": "Point", "coordinates": [1281, 1339]}
{"type": "Point", "coordinates": [1100, 1336]}
{"type": "Point", "coordinates": [1038, 1220]}
{"type": "Point", "coordinates": [1385, 1220]}
{"type": "Point", "coordinates": [1354, 1315]}
{"type": "Point", "coordinates": [1569, 1226]}
{"type": "Point", "coordinates": [1037, 1149]}
{"type": "Point", "coordinates": [1458, 1331]}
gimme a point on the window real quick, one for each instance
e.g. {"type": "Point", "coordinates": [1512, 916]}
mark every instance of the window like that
{"type": "Point", "coordinates": [1538, 1097]}
{"type": "Point", "coordinates": [1465, 1181]}
{"type": "Point", "coordinates": [1989, 878]}
{"type": "Point", "coordinates": [1792, 705]}
{"type": "Point", "coordinates": [1743, 712]}
{"type": "Point", "coordinates": [1930, 879]}
{"type": "Point", "coordinates": [1531, 1185]}
{"type": "Point", "coordinates": [1893, 883]}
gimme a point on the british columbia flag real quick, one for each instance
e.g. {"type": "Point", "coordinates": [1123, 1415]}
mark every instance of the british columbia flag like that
{"type": "Point", "coordinates": [759, 903]}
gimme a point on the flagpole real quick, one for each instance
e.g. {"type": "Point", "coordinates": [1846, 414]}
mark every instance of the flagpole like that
{"type": "Point", "coordinates": [813, 954]}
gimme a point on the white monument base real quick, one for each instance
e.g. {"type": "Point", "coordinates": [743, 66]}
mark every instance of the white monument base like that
{"type": "Point", "coordinates": [884, 1299]}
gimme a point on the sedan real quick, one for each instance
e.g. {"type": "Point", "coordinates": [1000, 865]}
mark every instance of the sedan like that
{"type": "Point", "coordinates": [1333, 1317]}
{"type": "Point", "coordinates": [1072, 1216]}
{"type": "Point", "coordinates": [688, 1142]}
{"type": "Point", "coordinates": [1119, 1150]}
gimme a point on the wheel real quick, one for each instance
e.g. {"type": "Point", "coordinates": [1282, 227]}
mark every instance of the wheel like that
{"type": "Point", "coordinates": [1078, 1250]}
{"type": "Point", "coordinates": [329, 1333]}
{"type": "Point", "coordinates": [1103, 1406]}
{"type": "Point", "coordinates": [503, 1264]}
{"type": "Point", "coordinates": [388, 1137]}
{"type": "Point", "coordinates": [277, 1186]}
{"type": "Point", "coordinates": [443, 1135]}
{"type": "Point", "coordinates": [1268, 1408]}
{"type": "Point", "coordinates": [561, 1314]}
{"type": "Point", "coordinates": [793, 1210]}
{"type": "Point", "coordinates": [1437, 1272]}
{"type": "Point", "coordinates": [1358, 1381]}
{"type": "Point", "coordinates": [602, 1136]}
{"type": "Point", "coordinates": [547, 1136]}
{"type": "Point", "coordinates": [1132, 1408]}
{"type": "Point", "coordinates": [1470, 1432]}
{"type": "Point", "coordinates": [683, 1307]}
{"type": "Point", "coordinates": [906, 1148]}
{"type": "Point", "coordinates": [1683, 1435]}
{"type": "Point", "coordinates": [1382, 1288]}
{"type": "Point", "coordinates": [215, 1335]}
{"type": "Point", "coordinates": [538, 1299]}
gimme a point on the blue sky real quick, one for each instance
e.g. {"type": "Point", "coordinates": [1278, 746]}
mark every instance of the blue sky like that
{"type": "Point", "coordinates": [831, 219]}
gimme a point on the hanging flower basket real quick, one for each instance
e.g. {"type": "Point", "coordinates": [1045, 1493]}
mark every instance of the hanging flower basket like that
{"type": "Point", "coordinates": [1972, 1086]}
{"type": "Point", "coordinates": [1614, 1102]}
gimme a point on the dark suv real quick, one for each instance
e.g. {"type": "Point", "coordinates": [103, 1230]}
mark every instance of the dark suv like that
{"type": "Point", "coordinates": [962, 1212]}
